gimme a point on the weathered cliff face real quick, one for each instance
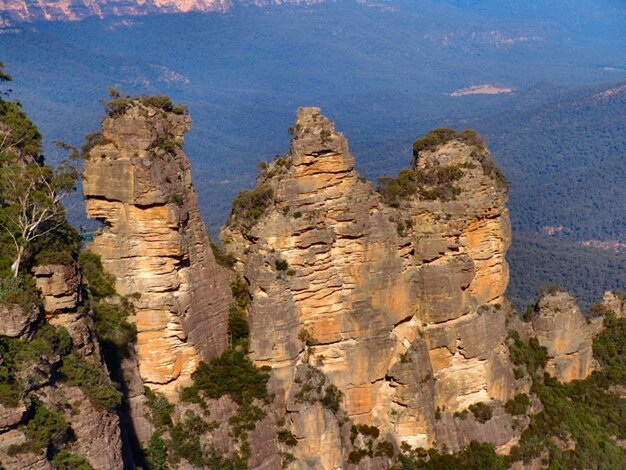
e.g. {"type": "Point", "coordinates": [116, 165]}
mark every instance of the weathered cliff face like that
{"type": "Point", "coordinates": [563, 330]}
{"type": "Point", "coordinates": [137, 181]}
{"type": "Point", "coordinates": [401, 308]}
{"type": "Point", "coordinates": [19, 11]}
{"type": "Point", "coordinates": [59, 286]}
{"type": "Point", "coordinates": [96, 431]}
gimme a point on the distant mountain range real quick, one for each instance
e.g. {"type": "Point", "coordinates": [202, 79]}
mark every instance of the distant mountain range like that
{"type": "Point", "coordinates": [14, 12]}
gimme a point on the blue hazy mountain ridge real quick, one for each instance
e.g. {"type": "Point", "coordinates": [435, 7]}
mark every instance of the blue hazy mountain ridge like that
{"type": "Point", "coordinates": [383, 73]}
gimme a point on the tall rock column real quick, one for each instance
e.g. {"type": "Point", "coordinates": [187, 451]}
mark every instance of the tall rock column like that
{"type": "Point", "coordinates": [400, 304]}
{"type": "Point", "coordinates": [137, 181]}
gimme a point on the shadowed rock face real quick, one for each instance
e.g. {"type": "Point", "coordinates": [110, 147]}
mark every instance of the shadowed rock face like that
{"type": "Point", "coordinates": [96, 431]}
{"type": "Point", "coordinates": [402, 306]}
{"type": "Point", "coordinates": [137, 181]}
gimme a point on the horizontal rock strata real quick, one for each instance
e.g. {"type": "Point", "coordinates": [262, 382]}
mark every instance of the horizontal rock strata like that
{"type": "Point", "coordinates": [402, 307]}
{"type": "Point", "coordinates": [137, 181]}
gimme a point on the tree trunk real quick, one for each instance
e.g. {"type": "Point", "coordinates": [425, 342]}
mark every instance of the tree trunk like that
{"type": "Point", "coordinates": [15, 267]}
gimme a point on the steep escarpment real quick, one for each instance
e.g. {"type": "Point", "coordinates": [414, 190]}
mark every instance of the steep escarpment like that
{"type": "Point", "coordinates": [397, 300]}
{"type": "Point", "coordinates": [18, 11]}
{"type": "Point", "coordinates": [137, 181]}
{"type": "Point", "coordinates": [13, 12]}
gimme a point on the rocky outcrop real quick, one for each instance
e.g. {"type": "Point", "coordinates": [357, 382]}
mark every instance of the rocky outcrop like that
{"type": "Point", "coordinates": [95, 432]}
{"type": "Point", "coordinates": [400, 305]}
{"type": "Point", "coordinates": [616, 303]}
{"type": "Point", "coordinates": [562, 329]}
{"type": "Point", "coordinates": [98, 436]}
{"type": "Point", "coordinates": [17, 319]}
{"type": "Point", "coordinates": [31, 460]}
{"type": "Point", "coordinates": [137, 181]}
{"type": "Point", "coordinates": [59, 286]}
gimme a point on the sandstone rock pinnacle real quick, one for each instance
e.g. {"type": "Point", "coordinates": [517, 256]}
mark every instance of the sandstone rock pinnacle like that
{"type": "Point", "coordinates": [137, 181]}
{"type": "Point", "coordinates": [400, 306]}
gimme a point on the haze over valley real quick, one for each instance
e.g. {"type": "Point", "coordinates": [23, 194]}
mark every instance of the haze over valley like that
{"type": "Point", "coordinates": [388, 72]}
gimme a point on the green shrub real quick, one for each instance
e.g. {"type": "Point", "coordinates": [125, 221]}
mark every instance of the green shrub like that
{"type": "Point", "coordinates": [60, 246]}
{"type": "Point", "coordinates": [481, 411]}
{"type": "Point", "coordinates": [67, 461]}
{"type": "Point", "coordinates": [517, 405]}
{"type": "Point", "coordinates": [238, 327]}
{"type": "Point", "coordinates": [598, 310]}
{"type": "Point", "coordinates": [25, 136]}
{"type": "Point", "coordinates": [530, 354]}
{"type": "Point", "coordinates": [384, 449]}
{"type": "Point", "coordinates": [91, 378]}
{"type": "Point", "coordinates": [357, 455]}
{"type": "Point", "coordinates": [461, 414]}
{"type": "Point", "coordinates": [160, 409]}
{"type": "Point", "coordinates": [165, 144]}
{"type": "Point", "coordinates": [429, 183]}
{"type": "Point", "coordinates": [19, 290]}
{"type": "Point", "coordinates": [476, 456]}
{"type": "Point", "coordinates": [433, 139]}
{"type": "Point", "coordinates": [99, 283]}
{"type": "Point", "coordinates": [177, 199]}
{"type": "Point", "coordinates": [440, 136]}
{"type": "Point", "coordinates": [530, 312]}
{"type": "Point", "coordinates": [47, 341]}
{"type": "Point", "coordinates": [222, 258]}
{"type": "Point", "coordinates": [112, 327]}
{"type": "Point", "coordinates": [10, 390]}
{"type": "Point", "coordinates": [249, 206]}
{"type": "Point", "coordinates": [281, 265]}
{"type": "Point", "coordinates": [230, 374]}
{"type": "Point", "coordinates": [609, 348]}
{"type": "Point", "coordinates": [119, 104]}
{"type": "Point", "coordinates": [20, 355]}
{"type": "Point", "coordinates": [245, 420]}
{"type": "Point", "coordinates": [186, 437]}
{"type": "Point", "coordinates": [156, 453]}
{"type": "Point", "coordinates": [332, 399]}
{"type": "Point", "coordinates": [580, 412]}
{"type": "Point", "coordinates": [394, 190]}
{"type": "Point", "coordinates": [285, 436]}
{"type": "Point", "coordinates": [241, 295]}
{"type": "Point", "coordinates": [238, 461]}
{"type": "Point", "coordinates": [46, 428]}
{"type": "Point", "coordinates": [92, 140]}
{"type": "Point", "coordinates": [306, 337]}
{"type": "Point", "coordinates": [364, 429]}
{"type": "Point", "coordinates": [162, 102]}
